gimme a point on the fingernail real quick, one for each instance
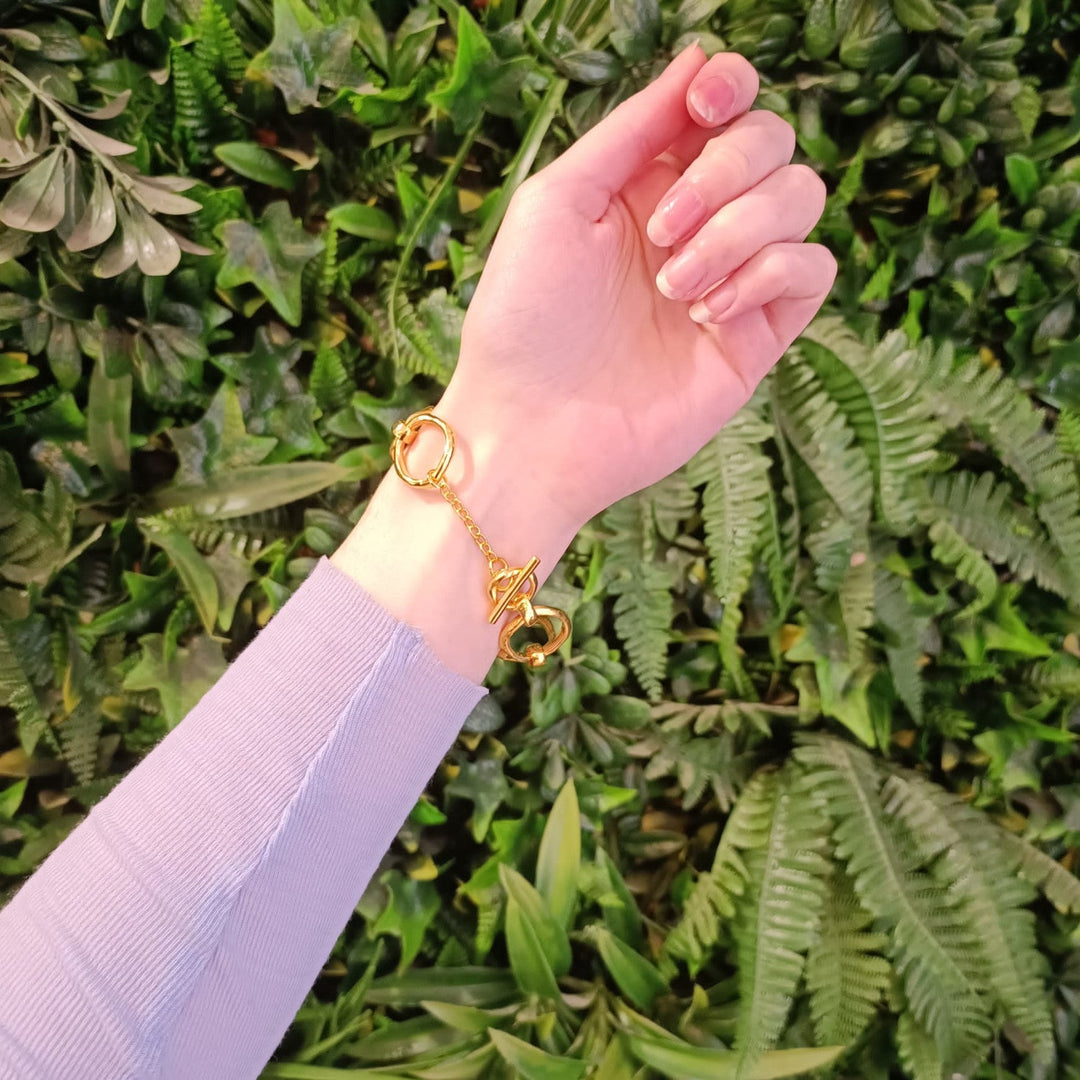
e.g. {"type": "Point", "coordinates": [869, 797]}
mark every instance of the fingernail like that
{"type": "Point", "coordinates": [681, 275]}
{"type": "Point", "coordinates": [678, 216]}
{"type": "Point", "coordinates": [714, 99]}
{"type": "Point", "coordinates": [713, 307]}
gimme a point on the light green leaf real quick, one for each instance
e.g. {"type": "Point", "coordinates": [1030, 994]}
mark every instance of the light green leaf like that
{"type": "Point", "coordinates": [559, 861]}
{"type": "Point", "coordinates": [638, 979]}
{"type": "Point", "coordinates": [368, 222]}
{"type": "Point", "coordinates": [270, 256]}
{"type": "Point", "coordinates": [256, 163]}
{"type": "Point", "coordinates": [549, 932]}
{"type": "Point", "coordinates": [682, 1061]}
{"type": "Point", "coordinates": [198, 578]}
{"type": "Point", "coordinates": [531, 1063]}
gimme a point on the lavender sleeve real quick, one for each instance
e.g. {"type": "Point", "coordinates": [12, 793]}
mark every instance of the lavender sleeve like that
{"type": "Point", "coordinates": [175, 933]}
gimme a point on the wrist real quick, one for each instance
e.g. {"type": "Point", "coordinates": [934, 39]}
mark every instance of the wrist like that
{"type": "Point", "coordinates": [417, 557]}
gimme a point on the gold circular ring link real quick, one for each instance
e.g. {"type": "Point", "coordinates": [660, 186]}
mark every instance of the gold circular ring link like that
{"type": "Point", "coordinates": [535, 654]}
{"type": "Point", "coordinates": [405, 432]}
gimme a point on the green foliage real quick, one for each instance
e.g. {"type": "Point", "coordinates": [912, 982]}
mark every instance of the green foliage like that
{"type": "Point", "coordinates": [805, 773]}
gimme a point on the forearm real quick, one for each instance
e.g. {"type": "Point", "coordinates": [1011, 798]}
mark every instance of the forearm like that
{"type": "Point", "coordinates": [176, 932]}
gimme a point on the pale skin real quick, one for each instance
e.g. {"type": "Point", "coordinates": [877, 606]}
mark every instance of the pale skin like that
{"type": "Point", "coordinates": [640, 288]}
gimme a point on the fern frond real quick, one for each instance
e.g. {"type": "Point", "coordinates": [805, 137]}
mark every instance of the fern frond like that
{"type": "Point", "coordinates": [821, 435]}
{"type": "Point", "coordinates": [776, 920]}
{"type": "Point", "coordinates": [879, 391]}
{"type": "Point", "coordinates": [1060, 887]}
{"type": "Point", "coordinates": [966, 853]}
{"type": "Point", "coordinates": [35, 528]}
{"type": "Point", "coordinates": [246, 535]}
{"type": "Point", "coordinates": [201, 113]}
{"type": "Point", "coordinates": [1068, 432]}
{"type": "Point", "coordinates": [845, 972]}
{"type": "Point", "coordinates": [644, 606]}
{"type": "Point", "coordinates": [918, 1052]}
{"type": "Point", "coordinates": [217, 45]}
{"type": "Point", "coordinates": [950, 549]}
{"type": "Point", "coordinates": [903, 638]}
{"type": "Point", "coordinates": [982, 512]}
{"type": "Point", "coordinates": [999, 411]}
{"type": "Point", "coordinates": [18, 694]}
{"type": "Point", "coordinates": [1057, 676]}
{"type": "Point", "coordinates": [79, 733]}
{"type": "Point", "coordinates": [329, 384]}
{"type": "Point", "coordinates": [714, 892]}
{"type": "Point", "coordinates": [417, 351]}
{"type": "Point", "coordinates": [735, 504]}
{"type": "Point", "coordinates": [930, 944]}
{"type": "Point", "coordinates": [856, 595]}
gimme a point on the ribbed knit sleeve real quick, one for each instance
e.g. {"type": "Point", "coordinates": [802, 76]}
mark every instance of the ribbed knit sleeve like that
{"type": "Point", "coordinates": [175, 933]}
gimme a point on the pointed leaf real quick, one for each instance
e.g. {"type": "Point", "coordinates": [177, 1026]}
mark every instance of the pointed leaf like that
{"type": "Point", "coordinates": [559, 862]}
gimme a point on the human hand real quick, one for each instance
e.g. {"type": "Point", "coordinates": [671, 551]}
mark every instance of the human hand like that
{"type": "Point", "coordinates": [594, 377]}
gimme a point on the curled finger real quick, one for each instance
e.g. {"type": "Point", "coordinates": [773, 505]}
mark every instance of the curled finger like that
{"type": "Point", "coordinates": [778, 271]}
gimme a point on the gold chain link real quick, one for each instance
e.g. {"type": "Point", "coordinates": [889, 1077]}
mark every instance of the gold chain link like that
{"type": "Point", "coordinates": [481, 540]}
{"type": "Point", "coordinates": [510, 588]}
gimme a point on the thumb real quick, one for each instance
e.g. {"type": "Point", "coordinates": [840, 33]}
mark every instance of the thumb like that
{"type": "Point", "coordinates": [601, 162]}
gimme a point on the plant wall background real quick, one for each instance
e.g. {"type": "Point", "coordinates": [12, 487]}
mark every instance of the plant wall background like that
{"type": "Point", "coordinates": [801, 792]}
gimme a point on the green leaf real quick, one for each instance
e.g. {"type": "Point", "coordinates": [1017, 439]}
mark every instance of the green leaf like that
{"type": "Point", "coordinates": [481, 987]}
{"type": "Point", "coordinates": [638, 979]}
{"type": "Point", "coordinates": [368, 222]}
{"type": "Point", "coordinates": [484, 784]}
{"type": "Point", "coordinates": [528, 955]}
{"type": "Point", "coordinates": [412, 909]}
{"type": "Point", "coordinates": [256, 163]}
{"type": "Point", "coordinates": [181, 678]}
{"type": "Point", "coordinates": [11, 799]}
{"type": "Point", "coordinates": [108, 422]}
{"type": "Point", "coordinates": [249, 490]}
{"type": "Point", "coordinates": [270, 256]}
{"type": "Point", "coordinates": [637, 28]}
{"type": "Point", "coordinates": [305, 55]}
{"type": "Point", "coordinates": [917, 14]}
{"type": "Point", "coordinates": [1023, 176]}
{"type": "Point", "coordinates": [531, 1063]}
{"type": "Point", "coordinates": [559, 861]}
{"type": "Point", "coordinates": [682, 1061]}
{"type": "Point", "coordinates": [548, 931]}
{"type": "Point", "coordinates": [35, 202]}
{"type": "Point", "coordinates": [198, 578]}
{"type": "Point", "coordinates": [479, 79]}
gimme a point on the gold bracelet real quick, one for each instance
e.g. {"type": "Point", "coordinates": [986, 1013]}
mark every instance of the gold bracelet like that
{"type": "Point", "coordinates": [510, 587]}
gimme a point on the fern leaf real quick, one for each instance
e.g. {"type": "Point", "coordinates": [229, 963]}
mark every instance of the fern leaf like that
{"type": "Point", "coordinates": [982, 512]}
{"type": "Point", "coordinates": [417, 352]}
{"type": "Point", "coordinates": [735, 472]}
{"type": "Point", "coordinates": [777, 920]}
{"type": "Point", "coordinates": [904, 632]}
{"type": "Point", "coordinates": [217, 45]}
{"type": "Point", "coordinates": [644, 606]}
{"type": "Point", "coordinates": [201, 111]}
{"type": "Point", "coordinates": [78, 734]}
{"type": "Point", "coordinates": [845, 973]}
{"type": "Point", "coordinates": [1060, 887]}
{"type": "Point", "coordinates": [35, 529]}
{"type": "Point", "coordinates": [714, 892]}
{"type": "Point", "coordinates": [1057, 676]}
{"type": "Point", "coordinates": [1068, 432]}
{"type": "Point", "coordinates": [966, 853]}
{"type": "Point", "coordinates": [330, 384]}
{"type": "Point", "coordinates": [930, 945]}
{"type": "Point", "coordinates": [879, 392]}
{"type": "Point", "coordinates": [18, 694]}
{"type": "Point", "coordinates": [951, 549]}
{"type": "Point", "coordinates": [998, 410]}
{"type": "Point", "coordinates": [918, 1053]}
{"type": "Point", "coordinates": [856, 595]}
{"type": "Point", "coordinates": [823, 438]}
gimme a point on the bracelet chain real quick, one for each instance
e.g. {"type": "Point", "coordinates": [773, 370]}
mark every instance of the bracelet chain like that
{"type": "Point", "coordinates": [510, 587]}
